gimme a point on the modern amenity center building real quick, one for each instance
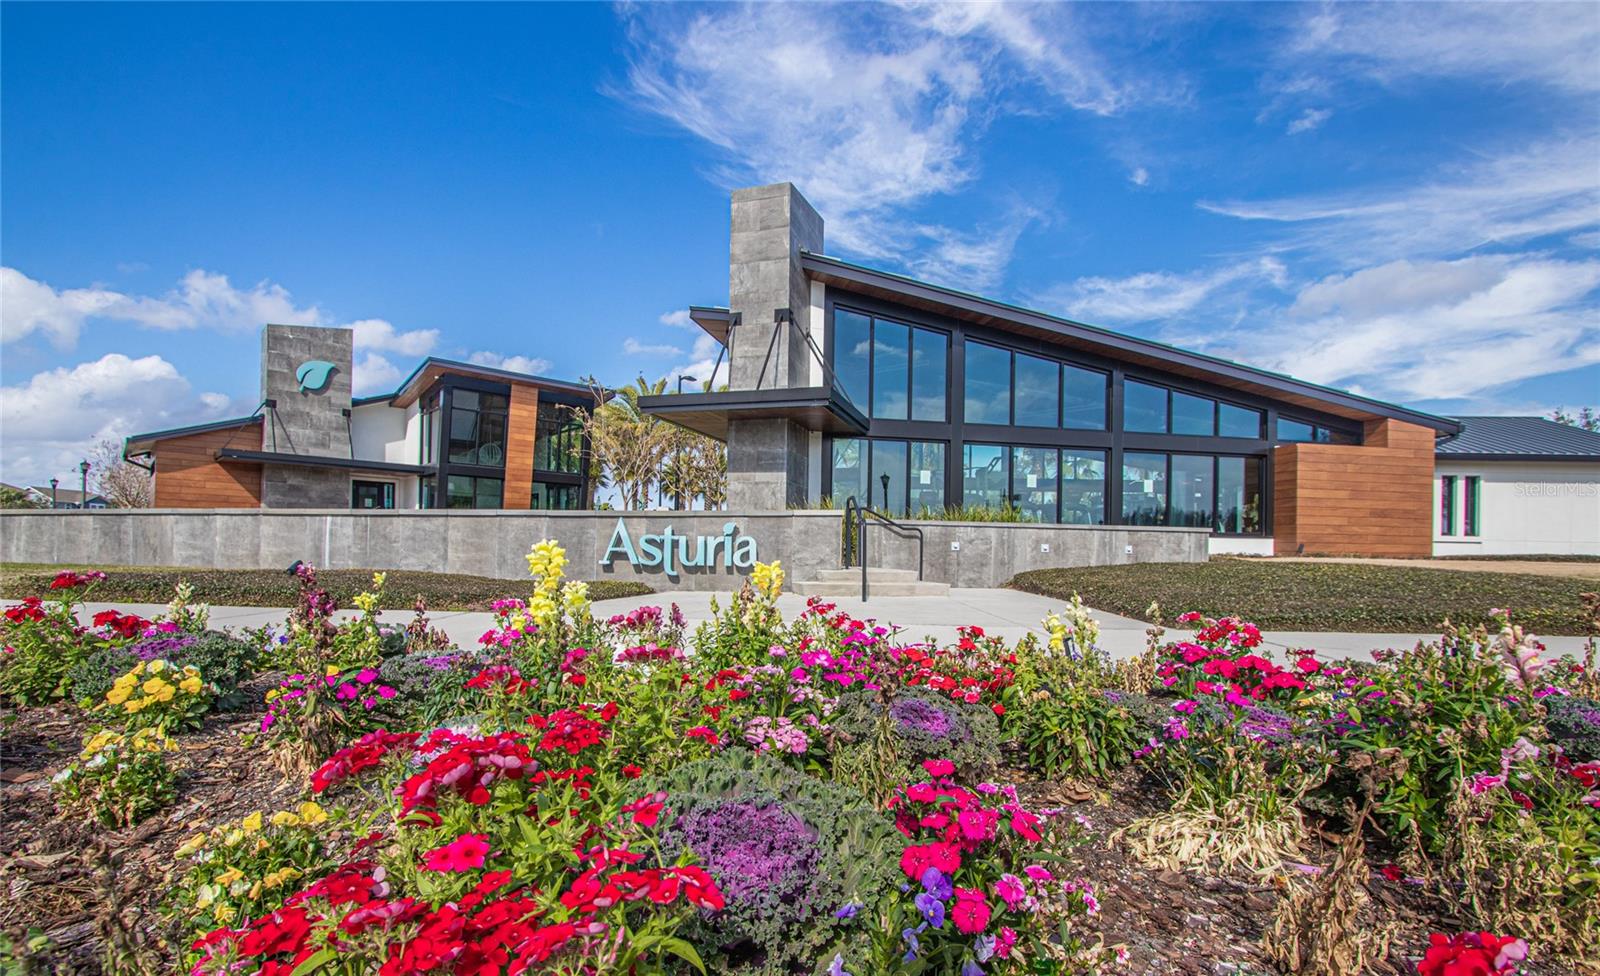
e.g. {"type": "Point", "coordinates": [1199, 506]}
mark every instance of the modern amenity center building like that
{"type": "Point", "coordinates": [846, 381]}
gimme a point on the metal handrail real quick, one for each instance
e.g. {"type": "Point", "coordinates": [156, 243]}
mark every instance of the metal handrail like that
{"type": "Point", "coordinates": [861, 515]}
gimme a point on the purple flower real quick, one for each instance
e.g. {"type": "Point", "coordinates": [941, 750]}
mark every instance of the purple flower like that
{"type": "Point", "coordinates": [849, 910]}
{"type": "Point", "coordinates": [912, 945]}
{"type": "Point", "coordinates": [936, 884]}
{"type": "Point", "coordinates": [836, 968]}
{"type": "Point", "coordinates": [932, 909]}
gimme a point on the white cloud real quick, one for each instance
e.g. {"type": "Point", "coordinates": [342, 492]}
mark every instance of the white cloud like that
{"type": "Point", "coordinates": [679, 318]}
{"type": "Point", "coordinates": [634, 347]}
{"type": "Point", "coordinates": [515, 364]}
{"type": "Point", "coordinates": [1550, 44]}
{"type": "Point", "coordinates": [381, 335]}
{"type": "Point", "coordinates": [1155, 295]}
{"type": "Point", "coordinates": [1506, 198]}
{"type": "Point", "coordinates": [202, 299]}
{"type": "Point", "coordinates": [705, 364]}
{"type": "Point", "coordinates": [1434, 329]}
{"type": "Point", "coordinates": [1139, 177]}
{"type": "Point", "coordinates": [53, 419]}
{"type": "Point", "coordinates": [1310, 119]}
{"type": "Point", "coordinates": [374, 373]}
{"type": "Point", "coordinates": [869, 110]}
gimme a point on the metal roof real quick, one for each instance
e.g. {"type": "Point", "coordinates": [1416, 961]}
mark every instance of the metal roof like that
{"type": "Point", "coordinates": [1519, 438]}
{"type": "Point", "coordinates": [1118, 345]}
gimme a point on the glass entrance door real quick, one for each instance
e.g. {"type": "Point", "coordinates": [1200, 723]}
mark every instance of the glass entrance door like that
{"type": "Point", "coordinates": [372, 494]}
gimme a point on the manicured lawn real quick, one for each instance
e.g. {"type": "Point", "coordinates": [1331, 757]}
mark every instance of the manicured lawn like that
{"type": "Point", "coordinates": [275, 588]}
{"type": "Point", "coordinates": [1314, 596]}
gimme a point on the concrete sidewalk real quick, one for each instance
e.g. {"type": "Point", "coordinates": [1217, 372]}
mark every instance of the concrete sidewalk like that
{"type": "Point", "coordinates": [1004, 613]}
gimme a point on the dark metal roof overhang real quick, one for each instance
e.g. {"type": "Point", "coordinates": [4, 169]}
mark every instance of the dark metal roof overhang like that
{"type": "Point", "coordinates": [316, 461]}
{"type": "Point", "coordinates": [1115, 345]}
{"type": "Point", "coordinates": [715, 320]}
{"type": "Point", "coordinates": [812, 407]}
{"type": "Point", "coordinates": [434, 367]}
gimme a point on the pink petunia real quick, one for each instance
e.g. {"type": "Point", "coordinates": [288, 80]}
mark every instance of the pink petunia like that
{"type": "Point", "coordinates": [465, 853]}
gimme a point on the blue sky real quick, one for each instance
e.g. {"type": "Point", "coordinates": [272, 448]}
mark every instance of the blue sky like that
{"type": "Point", "coordinates": [1403, 200]}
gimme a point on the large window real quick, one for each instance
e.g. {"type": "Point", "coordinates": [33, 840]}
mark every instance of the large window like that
{"type": "Point", "coordinates": [930, 365]}
{"type": "Point", "coordinates": [927, 477]}
{"type": "Point", "coordinates": [1083, 487]}
{"type": "Point", "coordinates": [1238, 495]}
{"type": "Point", "coordinates": [988, 387]}
{"type": "Point", "coordinates": [430, 429]}
{"type": "Point", "coordinates": [914, 469]}
{"type": "Point", "coordinates": [428, 492]}
{"type": "Point", "coordinates": [1144, 488]}
{"type": "Point", "coordinates": [1038, 392]}
{"type": "Point", "coordinates": [1470, 489]}
{"type": "Point", "coordinates": [1193, 415]}
{"type": "Point", "coordinates": [1006, 388]}
{"type": "Point", "coordinates": [891, 370]}
{"type": "Point", "coordinates": [1447, 505]}
{"type": "Point", "coordinates": [477, 428]}
{"type": "Point", "coordinates": [1144, 408]}
{"type": "Point", "coordinates": [465, 491]}
{"type": "Point", "coordinates": [1235, 421]}
{"type": "Point", "coordinates": [372, 494]}
{"type": "Point", "coordinates": [849, 471]}
{"type": "Point", "coordinates": [550, 496]}
{"type": "Point", "coordinates": [1083, 398]}
{"type": "Point", "coordinates": [1193, 490]}
{"type": "Point", "coordinates": [1298, 431]}
{"type": "Point", "coordinates": [558, 440]}
{"type": "Point", "coordinates": [852, 355]}
{"type": "Point", "coordinates": [984, 476]}
{"type": "Point", "coordinates": [1036, 481]}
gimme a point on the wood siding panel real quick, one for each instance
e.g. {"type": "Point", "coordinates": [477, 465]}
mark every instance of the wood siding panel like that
{"type": "Point", "coordinates": [188, 474]}
{"type": "Point", "coordinates": [521, 427]}
{"type": "Point", "coordinates": [1371, 500]}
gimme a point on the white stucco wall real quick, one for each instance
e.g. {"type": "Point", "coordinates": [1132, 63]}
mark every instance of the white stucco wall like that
{"type": "Point", "coordinates": [818, 321]}
{"type": "Point", "coordinates": [1527, 507]}
{"type": "Point", "coordinates": [378, 433]}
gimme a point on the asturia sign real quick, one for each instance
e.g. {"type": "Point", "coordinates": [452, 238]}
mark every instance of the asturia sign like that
{"type": "Point", "coordinates": [671, 551]}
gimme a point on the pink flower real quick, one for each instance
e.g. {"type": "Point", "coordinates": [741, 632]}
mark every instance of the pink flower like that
{"type": "Point", "coordinates": [971, 911]}
{"type": "Point", "coordinates": [1038, 873]}
{"type": "Point", "coordinates": [1009, 889]}
{"type": "Point", "coordinates": [1004, 942]}
{"type": "Point", "coordinates": [939, 767]}
{"type": "Point", "coordinates": [1186, 706]}
{"type": "Point", "coordinates": [465, 853]}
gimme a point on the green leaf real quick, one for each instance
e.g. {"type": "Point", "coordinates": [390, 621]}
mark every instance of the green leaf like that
{"type": "Point", "coordinates": [313, 962]}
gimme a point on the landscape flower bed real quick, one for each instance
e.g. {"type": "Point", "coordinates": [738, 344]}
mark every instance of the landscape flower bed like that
{"type": "Point", "coordinates": [598, 795]}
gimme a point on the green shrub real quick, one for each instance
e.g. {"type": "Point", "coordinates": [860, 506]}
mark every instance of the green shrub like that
{"type": "Point", "coordinates": [223, 659]}
{"type": "Point", "coordinates": [1080, 731]}
{"type": "Point", "coordinates": [787, 851]}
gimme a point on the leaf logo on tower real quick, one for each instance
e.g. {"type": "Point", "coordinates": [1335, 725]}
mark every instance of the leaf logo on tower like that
{"type": "Point", "coordinates": [314, 375]}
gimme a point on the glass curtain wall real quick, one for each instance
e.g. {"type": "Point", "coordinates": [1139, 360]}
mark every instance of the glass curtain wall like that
{"type": "Point", "coordinates": [891, 370]}
{"type": "Point", "coordinates": [915, 473]}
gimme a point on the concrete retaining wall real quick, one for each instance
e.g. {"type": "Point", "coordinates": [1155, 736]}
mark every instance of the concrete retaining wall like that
{"type": "Point", "coordinates": [989, 553]}
{"type": "Point", "coordinates": [495, 543]}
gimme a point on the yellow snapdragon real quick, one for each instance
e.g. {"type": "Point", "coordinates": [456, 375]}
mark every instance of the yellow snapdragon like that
{"type": "Point", "coordinates": [768, 578]}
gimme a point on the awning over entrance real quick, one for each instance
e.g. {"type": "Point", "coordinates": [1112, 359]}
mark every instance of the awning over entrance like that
{"type": "Point", "coordinates": [812, 407]}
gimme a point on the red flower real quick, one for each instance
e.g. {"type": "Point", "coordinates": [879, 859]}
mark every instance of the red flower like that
{"type": "Point", "coordinates": [918, 858]}
{"type": "Point", "coordinates": [632, 772]}
{"type": "Point", "coordinates": [646, 810]}
{"type": "Point", "coordinates": [465, 853]}
{"type": "Point", "coordinates": [999, 709]}
{"type": "Point", "coordinates": [1392, 872]}
{"type": "Point", "coordinates": [971, 911]}
{"type": "Point", "coordinates": [1472, 954]}
{"type": "Point", "coordinates": [939, 767]}
{"type": "Point", "coordinates": [702, 732]}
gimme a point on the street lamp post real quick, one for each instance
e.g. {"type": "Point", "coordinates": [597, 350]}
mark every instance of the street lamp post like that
{"type": "Point", "coordinates": [53, 483]}
{"type": "Point", "coordinates": [83, 488]}
{"type": "Point", "coordinates": [884, 480]}
{"type": "Point", "coordinates": [682, 501]}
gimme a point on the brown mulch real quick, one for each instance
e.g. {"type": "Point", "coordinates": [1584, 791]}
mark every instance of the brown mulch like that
{"type": "Point", "coordinates": [83, 886]}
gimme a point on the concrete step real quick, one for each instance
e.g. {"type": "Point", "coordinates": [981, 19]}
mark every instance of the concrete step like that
{"type": "Point", "coordinates": [874, 575]}
{"type": "Point", "coordinates": [880, 582]}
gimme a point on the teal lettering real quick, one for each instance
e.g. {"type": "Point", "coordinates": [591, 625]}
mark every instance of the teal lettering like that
{"type": "Point", "coordinates": [620, 545]}
{"type": "Point", "coordinates": [744, 552]}
{"type": "Point", "coordinates": [649, 550]}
